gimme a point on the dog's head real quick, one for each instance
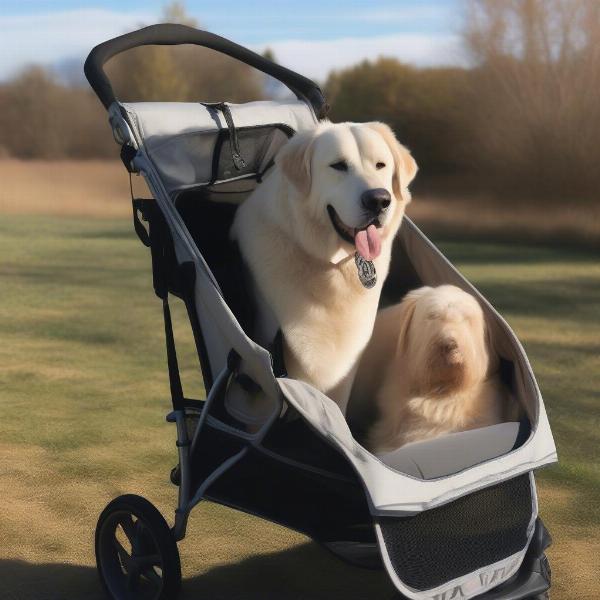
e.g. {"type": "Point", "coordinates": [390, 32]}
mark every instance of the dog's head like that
{"type": "Point", "coordinates": [444, 339]}
{"type": "Point", "coordinates": [351, 187]}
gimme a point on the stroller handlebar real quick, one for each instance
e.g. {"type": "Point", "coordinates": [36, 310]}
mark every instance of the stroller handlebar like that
{"type": "Point", "coordinates": [170, 34]}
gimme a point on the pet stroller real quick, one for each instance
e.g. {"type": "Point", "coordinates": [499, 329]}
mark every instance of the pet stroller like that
{"type": "Point", "coordinates": [455, 517]}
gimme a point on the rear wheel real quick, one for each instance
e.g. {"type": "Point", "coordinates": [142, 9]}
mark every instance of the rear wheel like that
{"type": "Point", "coordinates": [136, 553]}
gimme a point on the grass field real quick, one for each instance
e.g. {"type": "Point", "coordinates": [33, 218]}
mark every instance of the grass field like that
{"type": "Point", "coordinates": [98, 188]}
{"type": "Point", "coordinates": [83, 394]}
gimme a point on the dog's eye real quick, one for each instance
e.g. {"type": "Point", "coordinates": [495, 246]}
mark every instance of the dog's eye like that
{"type": "Point", "coordinates": [341, 165]}
{"type": "Point", "coordinates": [380, 165]}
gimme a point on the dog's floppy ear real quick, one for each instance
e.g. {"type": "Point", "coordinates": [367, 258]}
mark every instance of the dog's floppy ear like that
{"type": "Point", "coordinates": [490, 343]}
{"type": "Point", "coordinates": [407, 311]}
{"type": "Point", "coordinates": [405, 165]}
{"type": "Point", "coordinates": [294, 160]}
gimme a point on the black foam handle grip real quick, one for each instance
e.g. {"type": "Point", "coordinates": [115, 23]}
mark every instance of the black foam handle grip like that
{"type": "Point", "coordinates": [168, 34]}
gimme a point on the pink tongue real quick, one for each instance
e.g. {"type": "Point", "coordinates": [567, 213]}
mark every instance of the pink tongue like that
{"type": "Point", "coordinates": [368, 242]}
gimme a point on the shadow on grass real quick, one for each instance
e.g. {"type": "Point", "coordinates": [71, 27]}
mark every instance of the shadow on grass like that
{"type": "Point", "coordinates": [66, 275]}
{"type": "Point", "coordinates": [119, 233]}
{"type": "Point", "coordinates": [22, 580]}
{"type": "Point", "coordinates": [584, 509]}
{"type": "Point", "coordinates": [546, 298]}
{"type": "Point", "coordinates": [302, 572]}
{"type": "Point", "coordinates": [520, 240]}
{"type": "Point", "coordinates": [299, 573]}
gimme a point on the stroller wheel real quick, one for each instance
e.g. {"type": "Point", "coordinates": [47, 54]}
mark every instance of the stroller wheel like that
{"type": "Point", "coordinates": [176, 475]}
{"type": "Point", "coordinates": [136, 553]}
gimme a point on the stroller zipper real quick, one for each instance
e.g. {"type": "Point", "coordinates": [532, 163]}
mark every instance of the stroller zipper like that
{"type": "Point", "coordinates": [234, 145]}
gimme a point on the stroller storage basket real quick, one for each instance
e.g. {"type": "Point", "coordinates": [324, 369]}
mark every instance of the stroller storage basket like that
{"type": "Point", "coordinates": [454, 517]}
{"type": "Point", "coordinates": [468, 534]}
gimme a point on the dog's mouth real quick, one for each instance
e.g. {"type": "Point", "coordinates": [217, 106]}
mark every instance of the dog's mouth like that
{"type": "Point", "coordinates": [447, 372]}
{"type": "Point", "coordinates": [366, 239]}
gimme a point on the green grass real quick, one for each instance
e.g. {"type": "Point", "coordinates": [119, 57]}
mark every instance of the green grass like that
{"type": "Point", "coordinates": [84, 391]}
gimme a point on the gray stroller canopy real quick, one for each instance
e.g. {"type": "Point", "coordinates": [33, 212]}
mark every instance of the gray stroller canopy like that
{"type": "Point", "coordinates": [186, 143]}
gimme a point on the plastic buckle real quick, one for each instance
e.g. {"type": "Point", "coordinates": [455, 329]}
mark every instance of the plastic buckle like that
{"type": "Point", "coordinates": [123, 136]}
{"type": "Point", "coordinates": [128, 153]}
{"type": "Point", "coordinates": [120, 128]}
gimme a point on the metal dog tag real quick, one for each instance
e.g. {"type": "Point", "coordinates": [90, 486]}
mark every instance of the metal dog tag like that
{"type": "Point", "coordinates": [366, 271]}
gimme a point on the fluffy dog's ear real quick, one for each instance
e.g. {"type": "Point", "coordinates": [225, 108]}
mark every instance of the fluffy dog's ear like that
{"type": "Point", "coordinates": [490, 343]}
{"type": "Point", "coordinates": [407, 311]}
{"type": "Point", "coordinates": [406, 167]}
{"type": "Point", "coordinates": [294, 160]}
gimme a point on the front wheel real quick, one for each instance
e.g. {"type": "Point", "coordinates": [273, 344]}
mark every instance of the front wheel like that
{"type": "Point", "coordinates": [136, 553]}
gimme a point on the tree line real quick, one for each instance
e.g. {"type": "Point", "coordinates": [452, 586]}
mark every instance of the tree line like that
{"type": "Point", "coordinates": [525, 116]}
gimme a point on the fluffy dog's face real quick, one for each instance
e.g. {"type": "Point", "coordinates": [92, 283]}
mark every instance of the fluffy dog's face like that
{"type": "Point", "coordinates": [352, 180]}
{"type": "Point", "coordinates": [444, 338]}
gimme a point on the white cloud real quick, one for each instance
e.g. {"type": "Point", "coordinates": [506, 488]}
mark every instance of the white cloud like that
{"type": "Point", "coordinates": [396, 15]}
{"type": "Point", "coordinates": [317, 58]}
{"type": "Point", "coordinates": [52, 37]}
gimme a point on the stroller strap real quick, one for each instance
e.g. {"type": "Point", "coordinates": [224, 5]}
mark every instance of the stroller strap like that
{"type": "Point", "coordinates": [155, 237]}
{"type": "Point", "coordinates": [175, 386]}
{"type": "Point", "coordinates": [234, 145]}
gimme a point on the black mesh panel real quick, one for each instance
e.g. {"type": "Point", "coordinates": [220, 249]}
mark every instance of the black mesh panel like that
{"type": "Point", "coordinates": [441, 544]}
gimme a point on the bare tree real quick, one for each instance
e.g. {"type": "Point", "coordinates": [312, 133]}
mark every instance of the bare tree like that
{"type": "Point", "coordinates": [43, 118]}
{"type": "Point", "coordinates": [40, 118]}
{"type": "Point", "coordinates": [424, 106]}
{"type": "Point", "coordinates": [536, 109]}
{"type": "Point", "coordinates": [183, 73]}
{"type": "Point", "coordinates": [176, 12]}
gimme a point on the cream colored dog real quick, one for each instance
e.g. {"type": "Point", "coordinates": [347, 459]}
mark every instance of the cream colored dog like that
{"type": "Point", "coordinates": [337, 190]}
{"type": "Point", "coordinates": [442, 375]}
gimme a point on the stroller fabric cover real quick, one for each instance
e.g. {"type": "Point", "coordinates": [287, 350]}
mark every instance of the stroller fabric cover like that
{"type": "Point", "coordinates": [454, 517]}
{"type": "Point", "coordinates": [177, 152]}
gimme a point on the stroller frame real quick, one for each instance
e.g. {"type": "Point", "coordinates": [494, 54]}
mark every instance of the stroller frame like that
{"type": "Point", "coordinates": [324, 490]}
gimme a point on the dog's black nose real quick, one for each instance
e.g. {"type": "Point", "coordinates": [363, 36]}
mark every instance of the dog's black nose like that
{"type": "Point", "coordinates": [376, 201]}
{"type": "Point", "coordinates": [449, 345]}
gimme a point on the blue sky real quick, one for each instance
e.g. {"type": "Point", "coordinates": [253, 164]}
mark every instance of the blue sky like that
{"type": "Point", "coordinates": [311, 36]}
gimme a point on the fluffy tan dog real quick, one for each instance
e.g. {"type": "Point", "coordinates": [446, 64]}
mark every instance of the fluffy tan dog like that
{"type": "Point", "coordinates": [442, 375]}
{"type": "Point", "coordinates": [337, 190]}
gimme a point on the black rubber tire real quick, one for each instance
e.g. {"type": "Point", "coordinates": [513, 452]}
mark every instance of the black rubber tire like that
{"type": "Point", "coordinates": [150, 569]}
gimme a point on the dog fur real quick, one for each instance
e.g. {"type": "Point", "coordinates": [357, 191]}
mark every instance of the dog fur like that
{"type": "Point", "coordinates": [442, 373]}
{"type": "Point", "coordinates": [304, 271]}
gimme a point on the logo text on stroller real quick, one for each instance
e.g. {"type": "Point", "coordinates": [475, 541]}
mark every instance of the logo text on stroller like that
{"type": "Point", "coordinates": [483, 581]}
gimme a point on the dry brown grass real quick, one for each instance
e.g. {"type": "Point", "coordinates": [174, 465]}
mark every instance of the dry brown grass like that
{"type": "Point", "coordinates": [478, 216]}
{"type": "Point", "coordinates": [93, 188]}
{"type": "Point", "coordinates": [101, 189]}
{"type": "Point", "coordinates": [574, 576]}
